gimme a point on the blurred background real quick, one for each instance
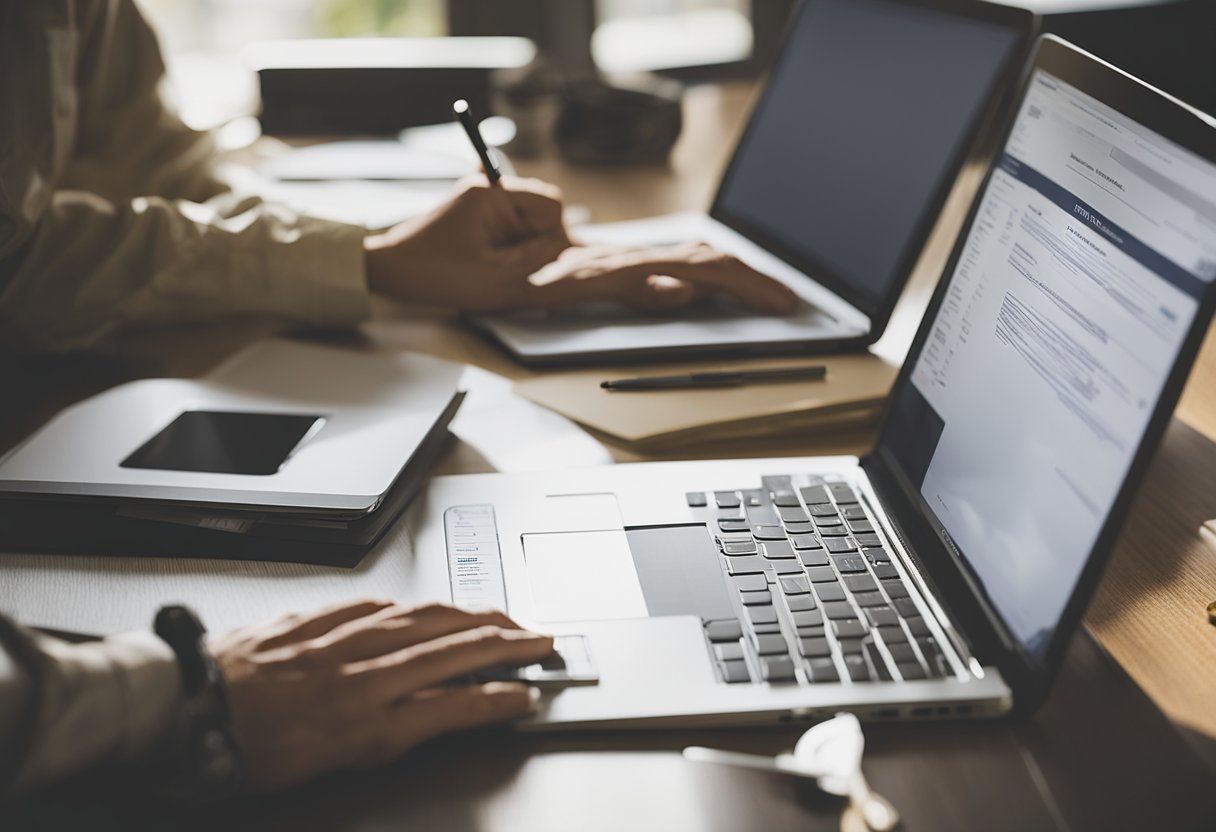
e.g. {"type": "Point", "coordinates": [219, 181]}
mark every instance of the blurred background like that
{"type": "Point", "coordinates": [687, 39]}
{"type": "Point", "coordinates": [1167, 42]}
{"type": "Point", "coordinates": [626, 34]}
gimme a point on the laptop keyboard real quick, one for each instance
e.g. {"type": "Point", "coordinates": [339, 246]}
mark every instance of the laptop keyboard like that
{"type": "Point", "coordinates": [819, 598]}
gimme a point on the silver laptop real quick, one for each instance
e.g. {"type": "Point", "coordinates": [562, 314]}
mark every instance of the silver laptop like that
{"type": "Point", "coordinates": [286, 451]}
{"type": "Point", "coordinates": [944, 573]}
{"type": "Point", "coordinates": [833, 189]}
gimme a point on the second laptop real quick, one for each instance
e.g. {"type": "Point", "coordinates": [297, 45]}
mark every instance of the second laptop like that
{"type": "Point", "coordinates": [833, 189]}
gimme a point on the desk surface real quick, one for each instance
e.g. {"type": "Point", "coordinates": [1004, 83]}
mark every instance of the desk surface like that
{"type": "Point", "coordinates": [1149, 613]}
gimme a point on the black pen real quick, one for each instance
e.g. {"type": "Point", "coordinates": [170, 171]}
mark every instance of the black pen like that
{"type": "Point", "coordinates": [465, 116]}
{"type": "Point", "coordinates": [730, 378]}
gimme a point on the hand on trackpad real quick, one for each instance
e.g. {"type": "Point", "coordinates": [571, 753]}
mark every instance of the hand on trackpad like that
{"type": "Point", "coordinates": [659, 279]}
{"type": "Point", "coordinates": [570, 665]}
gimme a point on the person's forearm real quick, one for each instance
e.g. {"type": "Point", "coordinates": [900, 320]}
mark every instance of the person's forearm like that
{"type": "Point", "coordinates": [64, 707]}
{"type": "Point", "coordinates": [93, 267]}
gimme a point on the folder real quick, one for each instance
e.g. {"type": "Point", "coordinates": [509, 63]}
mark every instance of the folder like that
{"type": "Point", "coordinates": [851, 394]}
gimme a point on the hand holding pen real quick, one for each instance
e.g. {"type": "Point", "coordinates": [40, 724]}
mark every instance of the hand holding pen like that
{"type": "Point", "coordinates": [501, 244]}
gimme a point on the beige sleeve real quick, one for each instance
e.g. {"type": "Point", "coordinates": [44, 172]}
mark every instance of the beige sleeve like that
{"type": "Point", "coordinates": [128, 139]}
{"type": "Point", "coordinates": [64, 707]}
{"type": "Point", "coordinates": [94, 266]}
{"type": "Point", "coordinates": [124, 225]}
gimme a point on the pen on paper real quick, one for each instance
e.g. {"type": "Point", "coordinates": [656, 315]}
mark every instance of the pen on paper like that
{"type": "Point", "coordinates": [730, 378]}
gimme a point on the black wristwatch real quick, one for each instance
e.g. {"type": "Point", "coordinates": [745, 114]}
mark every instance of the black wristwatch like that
{"type": "Point", "coordinates": [206, 761]}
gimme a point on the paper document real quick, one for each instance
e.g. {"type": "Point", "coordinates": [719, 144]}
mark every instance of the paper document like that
{"type": "Point", "coordinates": [373, 205]}
{"type": "Point", "coordinates": [373, 159]}
{"type": "Point", "coordinates": [513, 434]}
{"type": "Point", "coordinates": [851, 394]}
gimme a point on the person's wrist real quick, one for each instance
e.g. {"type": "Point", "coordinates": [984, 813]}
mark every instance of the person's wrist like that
{"type": "Point", "coordinates": [207, 759]}
{"type": "Point", "coordinates": [387, 261]}
{"type": "Point", "coordinates": [375, 255]}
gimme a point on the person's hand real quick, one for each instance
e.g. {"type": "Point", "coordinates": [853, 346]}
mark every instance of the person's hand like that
{"type": "Point", "coordinates": [473, 252]}
{"type": "Point", "coordinates": [654, 279]}
{"type": "Point", "coordinates": [361, 683]}
{"type": "Point", "coordinates": [505, 247]}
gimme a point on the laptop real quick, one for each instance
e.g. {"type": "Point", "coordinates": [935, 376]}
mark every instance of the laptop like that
{"type": "Point", "coordinates": [833, 189]}
{"type": "Point", "coordinates": [944, 573]}
{"type": "Point", "coordinates": [286, 451]}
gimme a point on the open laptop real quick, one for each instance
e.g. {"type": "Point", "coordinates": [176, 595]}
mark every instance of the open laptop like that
{"type": "Point", "coordinates": [833, 189]}
{"type": "Point", "coordinates": [944, 573]}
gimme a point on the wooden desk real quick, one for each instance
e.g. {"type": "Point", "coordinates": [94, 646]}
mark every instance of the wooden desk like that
{"type": "Point", "coordinates": [1149, 613]}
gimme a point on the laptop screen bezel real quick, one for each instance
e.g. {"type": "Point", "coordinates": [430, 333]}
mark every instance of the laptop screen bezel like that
{"type": "Point", "coordinates": [1028, 675]}
{"type": "Point", "coordinates": [1024, 23]}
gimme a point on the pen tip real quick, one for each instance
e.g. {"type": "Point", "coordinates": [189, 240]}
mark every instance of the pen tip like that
{"type": "Point", "coordinates": [460, 107]}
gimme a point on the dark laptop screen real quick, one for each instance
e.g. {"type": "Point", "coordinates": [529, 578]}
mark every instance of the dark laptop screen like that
{"type": "Point", "coordinates": [1075, 290]}
{"type": "Point", "coordinates": [864, 117]}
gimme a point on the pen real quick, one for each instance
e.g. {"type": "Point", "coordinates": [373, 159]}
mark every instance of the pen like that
{"type": "Point", "coordinates": [730, 378]}
{"type": "Point", "coordinates": [465, 116]}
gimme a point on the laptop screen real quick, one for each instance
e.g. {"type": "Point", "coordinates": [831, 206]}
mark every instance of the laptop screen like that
{"type": "Point", "coordinates": [1074, 291]}
{"type": "Point", "coordinates": [865, 117]}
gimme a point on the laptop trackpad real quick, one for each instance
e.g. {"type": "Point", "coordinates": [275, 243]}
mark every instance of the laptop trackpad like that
{"type": "Point", "coordinates": [583, 576]}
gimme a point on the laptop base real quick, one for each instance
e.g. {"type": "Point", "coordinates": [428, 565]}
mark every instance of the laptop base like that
{"type": "Point", "coordinates": [106, 528]}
